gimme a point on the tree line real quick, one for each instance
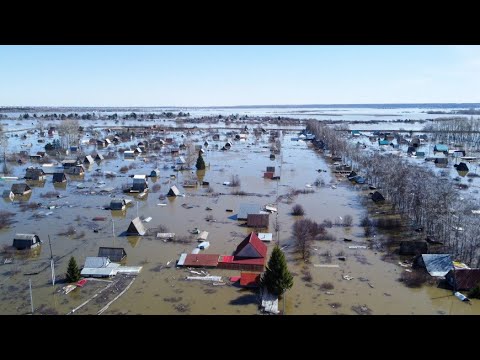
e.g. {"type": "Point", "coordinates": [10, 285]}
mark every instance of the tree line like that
{"type": "Point", "coordinates": [431, 201]}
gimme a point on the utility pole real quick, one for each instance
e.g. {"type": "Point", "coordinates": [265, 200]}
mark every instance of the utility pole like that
{"type": "Point", "coordinates": [52, 264]}
{"type": "Point", "coordinates": [31, 296]}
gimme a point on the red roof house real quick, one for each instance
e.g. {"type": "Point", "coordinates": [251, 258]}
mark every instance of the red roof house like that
{"type": "Point", "coordinates": [250, 255]}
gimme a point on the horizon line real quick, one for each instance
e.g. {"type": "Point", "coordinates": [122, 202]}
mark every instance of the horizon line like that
{"type": "Point", "coordinates": [236, 106]}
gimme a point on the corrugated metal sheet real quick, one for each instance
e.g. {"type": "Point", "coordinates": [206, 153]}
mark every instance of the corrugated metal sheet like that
{"type": "Point", "coordinates": [136, 227]}
{"type": "Point", "coordinates": [114, 254]}
{"type": "Point", "coordinates": [465, 279]}
{"type": "Point", "coordinates": [129, 269]}
{"type": "Point", "coordinates": [437, 264]}
{"type": "Point", "coordinates": [246, 209]}
{"type": "Point", "coordinates": [181, 260]}
{"type": "Point", "coordinates": [173, 191]}
{"type": "Point", "coordinates": [96, 262]}
{"type": "Point", "coordinates": [201, 260]}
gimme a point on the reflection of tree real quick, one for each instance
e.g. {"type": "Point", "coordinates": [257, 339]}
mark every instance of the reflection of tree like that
{"type": "Point", "coordinates": [3, 149]}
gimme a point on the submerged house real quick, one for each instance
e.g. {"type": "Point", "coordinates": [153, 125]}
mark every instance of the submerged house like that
{"type": "Point", "coordinates": [99, 157]}
{"type": "Point", "coordinates": [114, 254]}
{"type": "Point", "coordinates": [461, 167]}
{"type": "Point", "coordinates": [99, 267]}
{"type": "Point", "coordinates": [155, 173]}
{"type": "Point", "coordinates": [129, 154]}
{"type": "Point", "coordinates": [437, 265]}
{"type": "Point", "coordinates": [441, 162]}
{"type": "Point", "coordinates": [377, 197]}
{"type": "Point", "coordinates": [440, 148]}
{"type": "Point", "coordinates": [463, 279]}
{"type": "Point", "coordinates": [35, 174]}
{"type": "Point", "coordinates": [136, 228]}
{"type": "Point", "coordinates": [173, 191]}
{"type": "Point", "coordinates": [8, 194]}
{"type": "Point", "coordinates": [21, 189]}
{"type": "Point", "coordinates": [140, 183]}
{"type": "Point", "coordinates": [257, 220]}
{"type": "Point", "coordinates": [118, 204]}
{"type": "Point", "coordinates": [88, 160]}
{"type": "Point", "coordinates": [246, 209]}
{"type": "Point", "coordinates": [26, 241]}
{"type": "Point", "coordinates": [59, 177]}
{"type": "Point", "coordinates": [69, 163]}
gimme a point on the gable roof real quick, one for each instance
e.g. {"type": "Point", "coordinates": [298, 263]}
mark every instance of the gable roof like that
{"type": "Point", "coordinates": [173, 191]}
{"type": "Point", "coordinates": [20, 188]}
{"type": "Point", "coordinates": [376, 196]}
{"type": "Point", "coordinates": [113, 253]}
{"type": "Point", "coordinates": [136, 227]}
{"type": "Point", "coordinates": [251, 247]}
{"type": "Point", "coordinates": [249, 279]}
{"type": "Point", "coordinates": [34, 173]}
{"type": "Point", "coordinates": [440, 147]}
{"type": "Point", "coordinates": [99, 157]}
{"type": "Point", "coordinates": [437, 264]}
{"type": "Point", "coordinates": [88, 159]}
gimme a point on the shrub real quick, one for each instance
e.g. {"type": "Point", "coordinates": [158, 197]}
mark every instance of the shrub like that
{"type": "Point", "coordinates": [347, 220]}
{"type": "Point", "coordinates": [123, 169]}
{"type": "Point", "coordinates": [326, 286]}
{"type": "Point", "coordinates": [474, 293]}
{"type": "Point", "coordinates": [297, 210]}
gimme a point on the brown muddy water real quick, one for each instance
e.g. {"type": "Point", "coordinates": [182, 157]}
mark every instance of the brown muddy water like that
{"type": "Point", "coordinates": [162, 289]}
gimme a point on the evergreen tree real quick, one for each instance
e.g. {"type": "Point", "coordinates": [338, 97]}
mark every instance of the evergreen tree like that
{"type": "Point", "coordinates": [73, 272]}
{"type": "Point", "coordinates": [277, 279]}
{"type": "Point", "coordinates": [200, 163]}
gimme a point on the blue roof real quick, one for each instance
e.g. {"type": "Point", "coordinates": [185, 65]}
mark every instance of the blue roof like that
{"type": "Point", "coordinates": [440, 147]}
{"type": "Point", "coordinates": [383, 142]}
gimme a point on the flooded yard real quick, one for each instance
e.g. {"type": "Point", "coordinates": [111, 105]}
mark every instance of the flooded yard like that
{"type": "Point", "coordinates": [73, 215]}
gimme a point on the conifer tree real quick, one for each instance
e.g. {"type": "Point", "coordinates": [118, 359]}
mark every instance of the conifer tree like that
{"type": "Point", "coordinates": [277, 279]}
{"type": "Point", "coordinates": [73, 272]}
{"type": "Point", "coordinates": [200, 163]}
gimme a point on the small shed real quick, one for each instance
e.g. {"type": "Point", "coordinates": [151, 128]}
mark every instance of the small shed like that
{"type": "Point", "coordinates": [118, 204]}
{"type": "Point", "coordinates": [114, 254]}
{"type": "Point", "coordinates": [69, 163]}
{"type": "Point", "coordinates": [26, 241]}
{"type": "Point", "coordinates": [257, 220]}
{"type": "Point", "coordinates": [270, 169]}
{"type": "Point", "coordinates": [21, 189]}
{"type": "Point", "coordinates": [383, 142]}
{"type": "Point", "coordinates": [377, 197]}
{"type": "Point", "coordinates": [88, 160]}
{"type": "Point", "coordinates": [75, 170]}
{"type": "Point", "coordinates": [463, 279]}
{"type": "Point", "coordinates": [35, 174]}
{"type": "Point", "coordinates": [268, 175]}
{"type": "Point", "coordinates": [99, 157]}
{"type": "Point", "coordinates": [173, 191]}
{"type": "Point", "coordinates": [59, 177]}
{"type": "Point", "coordinates": [413, 247]}
{"type": "Point", "coordinates": [136, 228]}
{"type": "Point", "coordinates": [441, 161]}
{"type": "Point", "coordinates": [155, 173]}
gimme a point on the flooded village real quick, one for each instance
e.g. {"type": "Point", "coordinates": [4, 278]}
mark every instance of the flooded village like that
{"type": "Point", "coordinates": [178, 212]}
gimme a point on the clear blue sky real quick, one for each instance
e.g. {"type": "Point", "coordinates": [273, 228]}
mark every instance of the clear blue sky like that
{"type": "Point", "coordinates": [236, 75]}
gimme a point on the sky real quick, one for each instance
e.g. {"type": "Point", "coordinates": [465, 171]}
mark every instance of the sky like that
{"type": "Point", "coordinates": [233, 75]}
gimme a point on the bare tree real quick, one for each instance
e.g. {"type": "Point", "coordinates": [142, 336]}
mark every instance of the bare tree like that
{"type": "Point", "coordinates": [304, 232]}
{"type": "Point", "coordinates": [69, 130]}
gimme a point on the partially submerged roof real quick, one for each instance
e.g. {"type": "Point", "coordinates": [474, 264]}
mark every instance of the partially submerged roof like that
{"type": "Point", "coordinates": [88, 159]}
{"type": "Point", "coordinates": [246, 209]}
{"type": "Point", "coordinates": [114, 254]}
{"type": "Point", "coordinates": [136, 227]}
{"type": "Point", "coordinates": [267, 237]}
{"type": "Point", "coordinates": [20, 188]}
{"type": "Point", "coordinates": [248, 279]}
{"type": "Point", "coordinates": [201, 260]}
{"type": "Point", "coordinates": [251, 247]}
{"type": "Point", "coordinates": [96, 262]}
{"type": "Point", "coordinates": [437, 264]}
{"type": "Point", "coordinates": [173, 191]}
{"type": "Point", "coordinates": [258, 220]}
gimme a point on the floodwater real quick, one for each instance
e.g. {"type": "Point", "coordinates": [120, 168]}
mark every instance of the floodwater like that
{"type": "Point", "coordinates": [162, 289]}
